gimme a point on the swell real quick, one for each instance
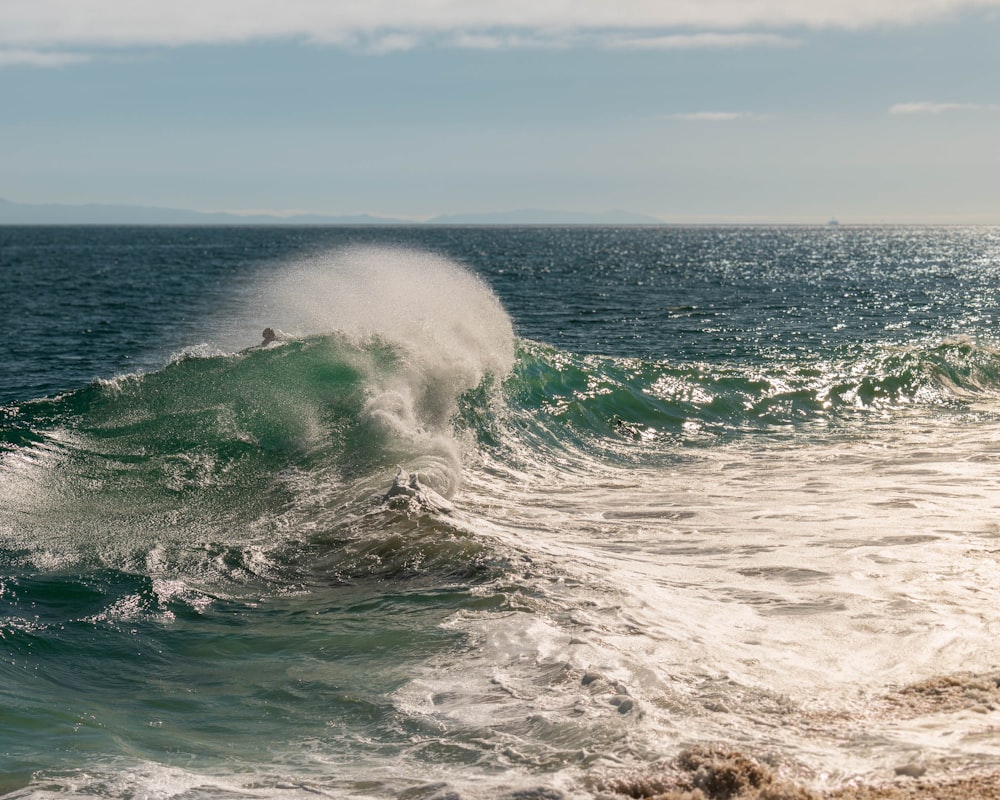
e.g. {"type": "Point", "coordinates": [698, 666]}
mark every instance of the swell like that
{"type": "Point", "coordinates": [309, 433]}
{"type": "Point", "coordinates": [243, 466]}
{"type": "Point", "coordinates": [250, 464]}
{"type": "Point", "coordinates": [594, 398]}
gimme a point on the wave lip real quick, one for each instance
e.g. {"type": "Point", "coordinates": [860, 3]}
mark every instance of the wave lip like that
{"type": "Point", "coordinates": [448, 331]}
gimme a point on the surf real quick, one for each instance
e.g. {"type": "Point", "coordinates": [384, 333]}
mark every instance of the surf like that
{"type": "Point", "coordinates": [350, 409]}
{"type": "Point", "coordinates": [407, 549]}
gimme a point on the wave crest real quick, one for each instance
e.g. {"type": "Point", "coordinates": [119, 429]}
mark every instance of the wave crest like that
{"type": "Point", "coordinates": [279, 439]}
{"type": "Point", "coordinates": [696, 402]}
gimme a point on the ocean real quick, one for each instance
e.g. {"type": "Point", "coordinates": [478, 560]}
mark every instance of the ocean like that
{"type": "Point", "coordinates": [499, 513]}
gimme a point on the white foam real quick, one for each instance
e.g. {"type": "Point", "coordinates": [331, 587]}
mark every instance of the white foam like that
{"type": "Point", "coordinates": [754, 589]}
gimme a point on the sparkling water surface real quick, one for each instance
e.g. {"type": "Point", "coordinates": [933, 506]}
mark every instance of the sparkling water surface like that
{"type": "Point", "coordinates": [504, 512]}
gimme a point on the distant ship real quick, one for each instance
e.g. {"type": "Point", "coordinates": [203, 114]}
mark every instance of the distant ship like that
{"type": "Point", "coordinates": [833, 221]}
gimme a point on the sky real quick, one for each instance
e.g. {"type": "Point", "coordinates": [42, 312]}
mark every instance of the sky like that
{"type": "Point", "coordinates": [686, 110]}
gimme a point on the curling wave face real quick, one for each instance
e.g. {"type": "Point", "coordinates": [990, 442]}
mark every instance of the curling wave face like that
{"type": "Point", "coordinates": [231, 440]}
{"type": "Point", "coordinates": [276, 435]}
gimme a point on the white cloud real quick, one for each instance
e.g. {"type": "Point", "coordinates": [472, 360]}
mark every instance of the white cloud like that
{"type": "Point", "coordinates": [507, 41]}
{"type": "Point", "coordinates": [40, 25]}
{"type": "Point", "coordinates": [939, 108]}
{"type": "Point", "coordinates": [40, 58]}
{"type": "Point", "coordinates": [392, 43]}
{"type": "Point", "coordinates": [692, 41]}
{"type": "Point", "coordinates": [615, 40]}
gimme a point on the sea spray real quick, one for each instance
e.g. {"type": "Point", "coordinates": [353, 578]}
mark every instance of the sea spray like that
{"type": "Point", "coordinates": [446, 326]}
{"type": "Point", "coordinates": [222, 454]}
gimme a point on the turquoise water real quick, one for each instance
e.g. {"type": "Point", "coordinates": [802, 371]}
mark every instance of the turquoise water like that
{"type": "Point", "coordinates": [502, 512]}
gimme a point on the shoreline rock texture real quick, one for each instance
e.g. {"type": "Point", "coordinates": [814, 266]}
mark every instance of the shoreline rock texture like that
{"type": "Point", "coordinates": [717, 774]}
{"type": "Point", "coordinates": [722, 773]}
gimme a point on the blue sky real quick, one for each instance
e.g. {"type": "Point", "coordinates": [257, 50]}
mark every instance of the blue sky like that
{"type": "Point", "coordinates": [687, 110]}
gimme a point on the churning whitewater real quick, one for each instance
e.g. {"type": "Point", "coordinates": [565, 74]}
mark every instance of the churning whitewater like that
{"type": "Point", "coordinates": [498, 513]}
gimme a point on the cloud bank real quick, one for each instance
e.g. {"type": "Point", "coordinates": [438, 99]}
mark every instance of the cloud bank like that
{"type": "Point", "coordinates": [939, 108]}
{"type": "Point", "coordinates": [40, 58]}
{"type": "Point", "coordinates": [697, 41]}
{"type": "Point", "coordinates": [43, 27]}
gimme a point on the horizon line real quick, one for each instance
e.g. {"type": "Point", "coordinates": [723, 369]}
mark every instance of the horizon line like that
{"type": "Point", "coordinates": [299, 218]}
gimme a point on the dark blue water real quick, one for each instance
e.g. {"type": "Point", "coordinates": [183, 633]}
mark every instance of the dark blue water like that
{"type": "Point", "coordinates": [82, 303]}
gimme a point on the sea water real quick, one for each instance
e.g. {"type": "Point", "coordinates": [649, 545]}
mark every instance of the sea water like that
{"type": "Point", "coordinates": [500, 512]}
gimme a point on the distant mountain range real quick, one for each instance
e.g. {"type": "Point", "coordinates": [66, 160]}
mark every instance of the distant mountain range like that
{"type": "Point", "coordinates": [54, 214]}
{"type": "Point", "coordinates": [536, 216]}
